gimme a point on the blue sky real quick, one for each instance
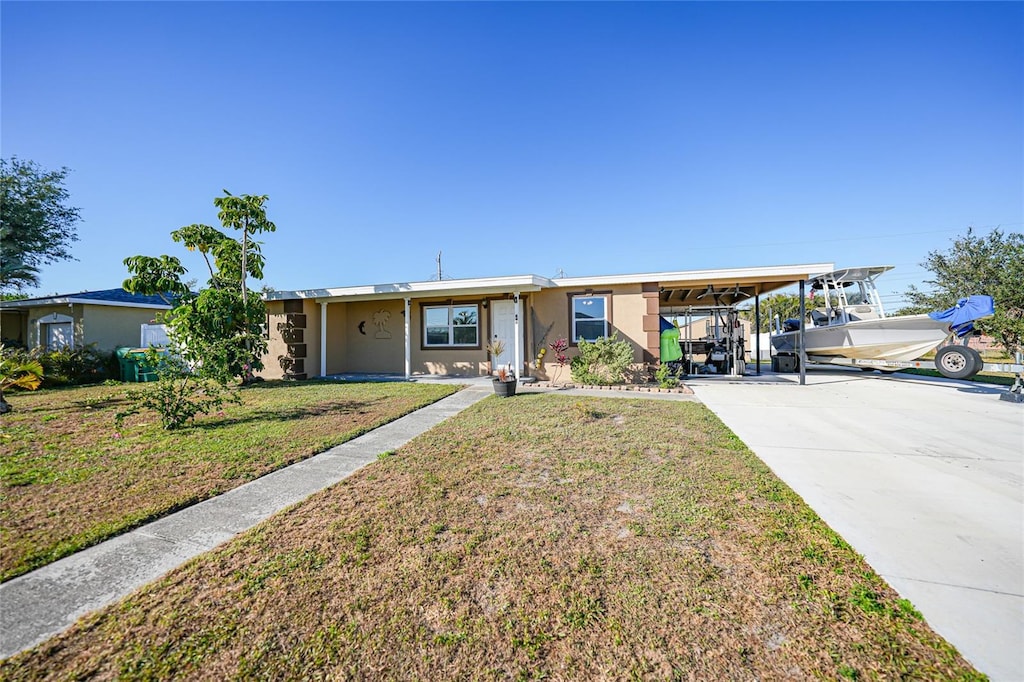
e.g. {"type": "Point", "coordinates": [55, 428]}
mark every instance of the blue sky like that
{"type": "Point", "coordinates": [591, 138]}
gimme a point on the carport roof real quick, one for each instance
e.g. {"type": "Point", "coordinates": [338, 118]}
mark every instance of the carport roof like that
{"type": "Point", "coordinates": [732, 286]}
{"type": "Point", "coordinates": [679, 288]}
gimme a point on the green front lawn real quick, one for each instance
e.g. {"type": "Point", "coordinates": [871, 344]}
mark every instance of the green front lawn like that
{"type": "Point", "coordinates": [70, 478]}
{"type": "Point", "coordinates": [537, 537]}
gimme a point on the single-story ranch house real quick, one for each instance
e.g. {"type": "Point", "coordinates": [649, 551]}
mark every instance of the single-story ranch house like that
{"type": "Point", "coordinates": [443, 327]}
{"type": "Point", "coordinates": [108, 318]}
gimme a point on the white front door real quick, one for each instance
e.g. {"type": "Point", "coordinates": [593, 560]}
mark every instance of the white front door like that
{"type": "Point", "coordinates": [58, 336]}
{"type": "Point", "coordinates": [503, 327]}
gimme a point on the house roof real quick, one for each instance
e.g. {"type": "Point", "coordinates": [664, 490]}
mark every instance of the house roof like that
{"type": "Point", "coordinates": [109, 297]}
{"type": "Point", "coordinates": [676, 287]}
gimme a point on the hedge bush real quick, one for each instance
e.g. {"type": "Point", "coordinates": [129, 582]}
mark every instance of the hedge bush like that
{"type": "Point", "coordinates": [602, 362]}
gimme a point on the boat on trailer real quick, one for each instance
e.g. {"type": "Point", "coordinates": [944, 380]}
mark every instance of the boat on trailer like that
{"type": "Point", "coordinates": [848, 325]}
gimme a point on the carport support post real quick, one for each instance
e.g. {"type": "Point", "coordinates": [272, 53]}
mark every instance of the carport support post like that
{"type": "Point", "coordinates": [757, 332]}
{"type": "Point", "coordinates": [408, 346]}
{"type": "Point", "coordinates": [519, 342]}
{"type": "Point", "coordinates": [323, 339]}
{"type": "Point", "coordinates": [803, 349]}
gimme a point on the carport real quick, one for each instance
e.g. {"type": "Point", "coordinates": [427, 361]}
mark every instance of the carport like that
{"type": "Point", "coordinates": [718, 294]}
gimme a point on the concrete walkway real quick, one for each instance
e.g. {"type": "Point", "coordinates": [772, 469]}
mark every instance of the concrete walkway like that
{"type": "Point", "coordinates": [43, 603]}
{"type": "Point", "coordinates": [922, 476]}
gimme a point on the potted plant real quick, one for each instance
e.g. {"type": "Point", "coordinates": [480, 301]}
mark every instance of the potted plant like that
{"type": "Point", "coordinates": [505, 382]}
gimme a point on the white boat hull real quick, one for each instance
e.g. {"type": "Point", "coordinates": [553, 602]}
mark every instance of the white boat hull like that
{"type": "Point", "coordinates": [901, 338]}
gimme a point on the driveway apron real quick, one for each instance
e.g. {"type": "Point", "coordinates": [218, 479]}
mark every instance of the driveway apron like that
{"type": "Point", "coordinates": [922, 477]}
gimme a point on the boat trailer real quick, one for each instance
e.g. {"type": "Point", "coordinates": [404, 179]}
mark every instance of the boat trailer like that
{"type": "Point", "coordinates": [953, 361]}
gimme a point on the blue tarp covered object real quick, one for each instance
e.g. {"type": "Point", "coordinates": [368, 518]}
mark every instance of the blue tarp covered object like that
{"type": "Point", "coordinates": [966, 310]}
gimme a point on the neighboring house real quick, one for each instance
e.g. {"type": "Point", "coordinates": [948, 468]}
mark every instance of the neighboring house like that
{"type": "Point", "coordinates": [983, 343]}
{"type": "Point", "coordinates": [109, 319]}
{"type": "Point", "coordinates": [443, 327]}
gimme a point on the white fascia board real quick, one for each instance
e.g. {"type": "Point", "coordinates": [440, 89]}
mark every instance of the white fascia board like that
{"type": "Point", "coordinates": [70, 300]}
{"type": "Point", "coordinates": [774, 271]}
{"type": "Point", "coordinates": [525, 283]}
{"type": "Point", "coordinates": [451, 287]}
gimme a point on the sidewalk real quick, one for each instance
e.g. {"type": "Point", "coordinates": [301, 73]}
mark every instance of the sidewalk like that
{"type": "Point", "coordinates": [43, 603]}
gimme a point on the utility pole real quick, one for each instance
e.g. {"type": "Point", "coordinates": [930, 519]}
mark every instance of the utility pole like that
{"type": "Point", "coordinates": [438, 266]}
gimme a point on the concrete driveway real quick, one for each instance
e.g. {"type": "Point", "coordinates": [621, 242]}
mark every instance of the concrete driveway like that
{"type": "Point", "coordinates": [922, 476]}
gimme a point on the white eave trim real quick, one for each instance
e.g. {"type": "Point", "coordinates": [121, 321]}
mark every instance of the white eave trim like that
{"type": "Point", "coordinates": [451, 287]}
{"type": "Point", "coordinates": [528, 283]}
{"type": "Point", "coordinates": [70, 300]}
{"type": "Point", "coordinates": [775, 271]}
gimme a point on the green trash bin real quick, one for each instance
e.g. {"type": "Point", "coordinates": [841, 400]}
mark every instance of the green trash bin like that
{"type": "Point", "coordinates": [144, 371]}
{"type": "Point", "coordinates": [134, 366]}
{"type": "Point", "coordinates": [127, 365]}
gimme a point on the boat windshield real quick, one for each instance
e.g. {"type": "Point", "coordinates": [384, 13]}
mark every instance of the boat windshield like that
{"type": "Point", "coordinates": [857, 294]}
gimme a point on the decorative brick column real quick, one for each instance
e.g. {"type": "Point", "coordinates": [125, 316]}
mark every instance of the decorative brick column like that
{"type": "Point", "coordinates": [293, 333]}
{"type": "Point", "coordinates": [652, 322]}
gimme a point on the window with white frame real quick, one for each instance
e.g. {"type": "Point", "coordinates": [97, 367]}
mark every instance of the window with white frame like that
{"type": "Point", "coordinates": [589, 317]}
{"type": "Point", "coordinates": [451, 325]}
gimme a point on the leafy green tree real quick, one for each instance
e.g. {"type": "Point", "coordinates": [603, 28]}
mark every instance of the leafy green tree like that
{"type": "Point", "coordinates": [36, 224]}
{"type": "Point", "coordinates": [217, 331]}
{"type": "Point", "coordinates": [974, 264]}
{"type": "Point", "coordinates": [786, 306]}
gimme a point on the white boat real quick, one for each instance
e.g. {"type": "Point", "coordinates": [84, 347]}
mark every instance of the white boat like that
{"type": "Point", "coordinates": [847, 320]}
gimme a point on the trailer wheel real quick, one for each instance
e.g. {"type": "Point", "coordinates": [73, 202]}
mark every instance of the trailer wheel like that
{"type": "Point", "coordinates": [957, 362]}
{"type": "Point", "coordinates": [979, 364]}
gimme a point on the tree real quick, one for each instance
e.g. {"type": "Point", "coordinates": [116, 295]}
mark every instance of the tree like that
{"type": "Point", "coordinates": [36, 224]}
{"type": "Point", "coordinates": [785, 306]}
{"type": "Point", "coordinates": [217, 332]}
{"type": "Point", "coordinates": [17, 370]}
{"type": "Point", "coordinates": [992, 265]}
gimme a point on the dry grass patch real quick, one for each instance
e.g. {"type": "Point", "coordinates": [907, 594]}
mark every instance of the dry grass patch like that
{"type": "Point", "coordinates": [538, 537]}
{"type": "Point", "coordinates": [70, 478]}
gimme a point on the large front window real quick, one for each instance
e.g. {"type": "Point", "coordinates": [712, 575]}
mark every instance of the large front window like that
{"type": "Point", "coordinates": [589, 318]}
{"type": "Point", "coordinates": [451, 325]}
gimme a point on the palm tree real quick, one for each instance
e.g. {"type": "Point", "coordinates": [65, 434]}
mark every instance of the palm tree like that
{"type": "Point", "coordinates": [20, 373]}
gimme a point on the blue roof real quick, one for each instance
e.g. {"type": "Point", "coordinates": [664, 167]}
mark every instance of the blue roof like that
{"type": "Point", "coordinates": [106, 296]}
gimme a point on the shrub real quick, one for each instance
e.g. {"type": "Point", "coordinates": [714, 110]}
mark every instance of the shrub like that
{"type": "Point", "coordinates": [602, 362]}
{"type": "Point", "coordinates": [66, 366]}
{"type": "Point", "coordinates": [73, 367]}
{"type": "Point", "coordinates": [177, 396]}
{"type": "Point", "coordinates": [668, 373]}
